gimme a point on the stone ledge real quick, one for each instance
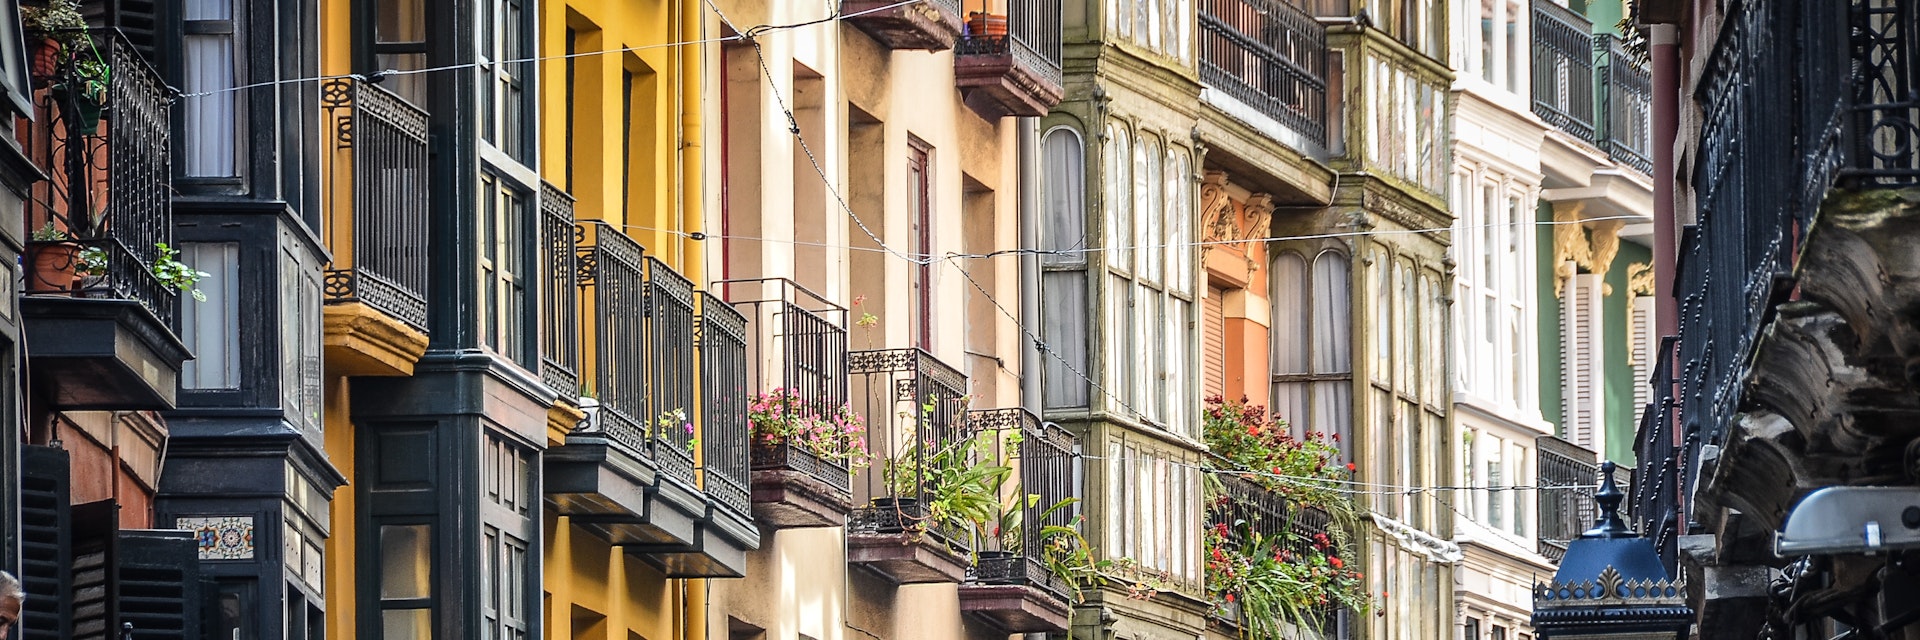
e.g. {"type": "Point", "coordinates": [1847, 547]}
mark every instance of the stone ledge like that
{"type": "Point", "coordinates": [361, 341]}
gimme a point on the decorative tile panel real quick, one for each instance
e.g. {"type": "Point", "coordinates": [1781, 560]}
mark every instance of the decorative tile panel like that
{"type": "Point", "coordinates": [221, 537]}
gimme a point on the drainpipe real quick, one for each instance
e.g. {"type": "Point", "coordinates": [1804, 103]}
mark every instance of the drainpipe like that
{"type": "Point", "coordinates": [1663, 44]}
{"type": "Point", "coordinates": [1029, 237]}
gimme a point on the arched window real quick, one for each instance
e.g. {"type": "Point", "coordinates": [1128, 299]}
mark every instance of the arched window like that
{"type": "Point", "coordinates": [1063, 277]}
{"type": "Point", "coordinates": [1312, 346]}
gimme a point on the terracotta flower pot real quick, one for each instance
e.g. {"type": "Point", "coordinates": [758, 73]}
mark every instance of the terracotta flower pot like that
{"type": "Point", "coordinates": [986, 24]}
{"type": "Point", "coordinates": [45, 60]}
{"type": "Point", "coordinates": [54, 265]}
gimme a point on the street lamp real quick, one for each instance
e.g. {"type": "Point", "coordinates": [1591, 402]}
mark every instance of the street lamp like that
{"type": "Point", "coordinates": [1611, 584]}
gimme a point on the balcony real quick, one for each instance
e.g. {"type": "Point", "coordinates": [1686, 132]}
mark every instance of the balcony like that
{"type": "Point", "coordinates": [1268, 56]}
{"type": "Point", "coordinates": [628, 470]}
{"type": "Point", "coordinates": [376, 230]}
{"type": "Point", "coordinates": [1395, 112]}
{"type": "Point", "coordinates": [1010, 585]}
{"type": "Point", "coordinates": [1563, 69]}
{"type": "Point", "coordinates": [1248, 509]}
{"type": "Point", "coordinates": [96, 310]}
{"type": "Point", "coordinates": [1008, 64]}
{"type": "Point", "coordinates": [912, 404]}
{"type": "Point", "coordinates": [1566, 472]}
{"type": "Point", "coordinates": [1626, 124]}
{"type": "Point", "coordinates": [560, 308]}
{"type": "Point", "coordinates": [798, 343]}
{"type": "Point", "coordinates": [932, 25]}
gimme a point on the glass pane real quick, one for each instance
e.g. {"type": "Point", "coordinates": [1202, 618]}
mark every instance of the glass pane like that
{"type": "Point", "coordinates": [1119, 203]}
{"type": "Point", "coordinates": [1064, 317]}
{"type": "Point", "coordinates": [405, 553]}
{"type": "Point", "coordinates": [1290, 314]}
{"type": "Point", "coordinates": [1065, 182]}
{"type": "Point", "coordinates": [209, 120]}
{"type": "Point", "coordinates": [412, 86]}
{"type": "Point", "coordinates": [207, 10]}
{"type": "Point", "coordinates": [211, 329]}
{"type": "Point", "coordinates": [406, 624]}
{"type": "Point", "coordinates": [1146, 206]}
{"type": "Point", "coordinates": [1331, 349]}
{"type": "Point", "coordinates": [400, 21]}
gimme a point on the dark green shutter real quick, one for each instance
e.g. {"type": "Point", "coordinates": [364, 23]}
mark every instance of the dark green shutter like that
{"type": "Point", "coordinates": [45, 544]}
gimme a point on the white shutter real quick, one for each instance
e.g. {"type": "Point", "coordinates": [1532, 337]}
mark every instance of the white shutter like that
{"type": "Point", "coordinates": [1642, 342]}
{"type": "Point", "coordinates": [1582, 384]}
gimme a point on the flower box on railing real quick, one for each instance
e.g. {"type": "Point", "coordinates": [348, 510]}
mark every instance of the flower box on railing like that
{"type": "Point", "coordinates": [793, 488]}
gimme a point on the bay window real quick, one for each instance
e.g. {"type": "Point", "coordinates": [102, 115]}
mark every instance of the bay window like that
{"type": "Point", "coordinates": [1160, 26]}
{"type": "Point", "coordinates": [1153, 509]}
{"type": "Point", "coordinates": [1149, 293]}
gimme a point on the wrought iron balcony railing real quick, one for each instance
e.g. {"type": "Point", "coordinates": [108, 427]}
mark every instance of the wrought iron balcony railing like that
{"type": "Point", "coordinates": [799, 339]}
{"type": "Point", "coordinates": [912, 405]}
{"type": "Point", "coordinates": [613, 270]}
{"type": "Point", "coordinates": [1563, 68]}
{"type": "Point", "coordinates": [1269, 55]}
{"type": "Point", "coordinates": [1657, 486]}
{"type": "Point", "coordinates": [99, 224]}
{"type": "Point", "coordinates": [1010, 65]}
{"type": "Point", "coordinates": [377, 222]}
{"type": "Point", "coordinates": [723, 404]}
{"type": "Point", "coordinates": [560, 293]}
{"type": "Point", "coordinates": [1270, 516]}
{"type": "Point", "coordinates": [1566, 473]}
{"type": "Point", "coordinates": [1043, 460]}
{"type": "Point", "coordinates": [670, 378]}
{"type": "Point", "coordinates": [1626, 120]}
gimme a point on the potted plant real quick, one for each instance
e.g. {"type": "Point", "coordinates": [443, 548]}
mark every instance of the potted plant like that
{"type": "Point", "coordinates": [52, 259]}
{"type": "Point", "coordinates": [60, 27]}
{"type": "Point", "coordinates": [984, 24]}
{"type": "Point", "coordinates": [780, 421]}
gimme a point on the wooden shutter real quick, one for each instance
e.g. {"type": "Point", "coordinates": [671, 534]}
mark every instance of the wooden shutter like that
{"type": "Point", "coordinates": [138, 19]}
{"type": "Point", "coordinates": [1643, 343]}
{"type": "Point", "coordinates": [1214, 332]}
{"type": "Point", "coordinates": [1581, 366]}
{"type": "Point", "coordinates": [45, 543]}
{"type": "Point", "coordinates": [157, 584]}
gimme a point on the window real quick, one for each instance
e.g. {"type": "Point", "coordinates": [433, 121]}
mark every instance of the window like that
{"type": "Point", "coordinates": [1467, 476]}
{"type": "Point", "coordinates": [1063, 275]}
{"type": "Point", "coordinates": [1312, 367]}
{"type": "Point", "coordinates": [572, 79]}
{"type": "Point", "coordinates": [1496, 483]}
{"type": "Point", "coordinates": [1152, 492]}
{"type": "Point", "coordinates": [300, 366]}
{"type": "Point", "coordinates": [210, 55]}
{"type": "Point", "coordinates": [1518, 454]}
{"type": "Point", "coordinates": [1149, 293]}
{"type": "Point", "coordinates": [406, 582]}
{"type": "Point", "coordinates": [920, 207]}
{"type": "Point", "coordinates": [1161, 26]}
{"type": "Point", "coordinates": [400, 44]}
{"type": "Point", "coordinates": [211, 329]}
{"type": "Point", "coordinates": [505, 72]}
{"type": "Point", "coordinates": [505, 244]}
{"type": "Point", "coordinates": [1470, 629]}
{"type": "Point", "coordinates": [1499, 632]}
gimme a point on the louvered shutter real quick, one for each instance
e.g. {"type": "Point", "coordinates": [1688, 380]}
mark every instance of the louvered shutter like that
{"type": "Point", "coordinates": [138, 19]}
{"type": "Point", "coordinates": [1214, 329]}
{"type": "Point", "coordinates": [1582, 392]}
{"type": "Point", "coordinates": [1641, 336]}
{"type": "Point", "coordinates": [157, 585]}
{"type": "Point", "coordinates": [45, 543]}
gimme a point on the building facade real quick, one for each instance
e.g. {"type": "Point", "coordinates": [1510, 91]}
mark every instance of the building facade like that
{"type": "Point", "coordinates": [1771, 447]}
{"type": "Point", "coordinates": [1552, 300]}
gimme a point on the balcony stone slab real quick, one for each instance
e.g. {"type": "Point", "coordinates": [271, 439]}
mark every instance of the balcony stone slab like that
{"type": "Point", "coordinates": [926, 26]}
{"type": "Point", "coordinates": [362, 341]}
{"type": "Point", "coordinates": [104, 354]}
{"type": "Point", "coordinates": [1015, 608]}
